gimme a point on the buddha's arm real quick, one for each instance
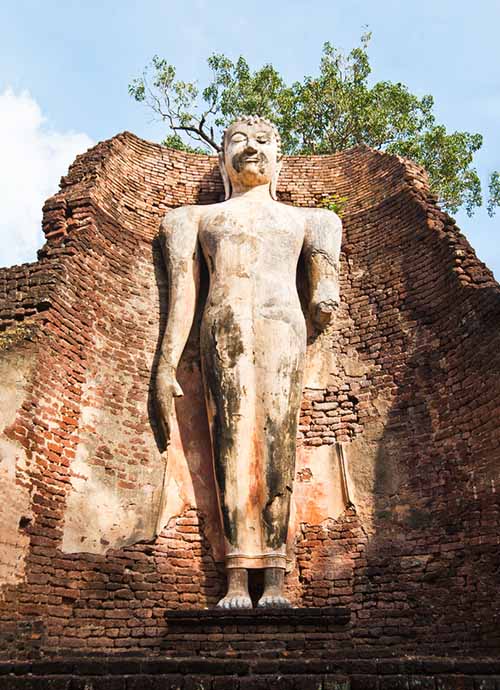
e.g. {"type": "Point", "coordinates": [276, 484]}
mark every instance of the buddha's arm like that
{"type": "Point", "coordinates": [322, 240]}
{"type": "Point", "coordinates": [179, 241]}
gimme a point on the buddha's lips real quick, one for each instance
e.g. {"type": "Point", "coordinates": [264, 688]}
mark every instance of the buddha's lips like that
{"type": "Point", "coordinates": [240, 159]}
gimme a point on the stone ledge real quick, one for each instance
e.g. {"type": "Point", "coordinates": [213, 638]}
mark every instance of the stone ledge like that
{"type": "Point", "coordinates": [143, 679]}
{"type": "Point", "coordinates": [256, 617]}
{"type": "Point", "coordinates": [176, 682]}
{"type": "Point", "coordinates": [153, 666]}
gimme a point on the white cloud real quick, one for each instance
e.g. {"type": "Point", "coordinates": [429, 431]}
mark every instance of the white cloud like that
{"type": "Point", "coordinates": [32, 160]}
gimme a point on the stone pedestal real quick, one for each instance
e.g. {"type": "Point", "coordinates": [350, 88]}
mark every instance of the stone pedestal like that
{"type": "Point", "coordinates": [257, 633]}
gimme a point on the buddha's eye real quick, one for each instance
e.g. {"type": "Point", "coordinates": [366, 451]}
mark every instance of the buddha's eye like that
{"type": "Point", "coordinates": [263, 139]}
{"type": "Point", "coordinates": [238, 137]}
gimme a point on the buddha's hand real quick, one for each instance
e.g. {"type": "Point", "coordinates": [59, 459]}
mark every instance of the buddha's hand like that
{"type": "Point", "coordinates": [322, 312]}
{"type": "Point", "coordinates": [167, 388]}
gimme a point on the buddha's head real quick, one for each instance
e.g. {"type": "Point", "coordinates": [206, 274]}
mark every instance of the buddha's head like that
{"type": "Point", "coordinates": [250, 156]}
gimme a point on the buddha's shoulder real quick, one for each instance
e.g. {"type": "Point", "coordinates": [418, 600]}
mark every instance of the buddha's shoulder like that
{"type": "Point", "coordinates": [182, 217]}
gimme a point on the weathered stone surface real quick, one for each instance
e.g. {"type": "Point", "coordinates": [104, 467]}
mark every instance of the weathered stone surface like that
{"type": "Point", "coordinates": [15, 510]}
{"type": "Point", "coordinates": [112, 505]}
{"type": "Point", "coordinates": [252, 341]}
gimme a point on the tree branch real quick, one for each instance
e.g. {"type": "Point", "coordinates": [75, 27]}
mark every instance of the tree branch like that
{"type": "Point", "coordinates": [203, 136]}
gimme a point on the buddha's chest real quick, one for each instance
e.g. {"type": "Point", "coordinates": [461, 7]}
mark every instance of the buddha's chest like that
{"type": "Point", "coordinates": [251, 233]}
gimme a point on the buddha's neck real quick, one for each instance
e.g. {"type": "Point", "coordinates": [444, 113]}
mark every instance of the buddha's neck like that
{"type": "Point", "coordinates": [259, 192]}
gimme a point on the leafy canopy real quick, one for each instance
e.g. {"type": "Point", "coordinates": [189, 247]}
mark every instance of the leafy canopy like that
{"type": "Point", "coordinates": [329, 112]}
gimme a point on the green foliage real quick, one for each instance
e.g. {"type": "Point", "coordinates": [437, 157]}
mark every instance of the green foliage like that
{"type": "Point", "coordinates": [332, 111]}
{"type": "Point", "coordinates": [494, 192]}
{"type": "Point", "coordinates": [334, 202]}
{"type": "Point", "coordinates": [448, 161]}
{"type": "Point", "coordinates": [174, 141]}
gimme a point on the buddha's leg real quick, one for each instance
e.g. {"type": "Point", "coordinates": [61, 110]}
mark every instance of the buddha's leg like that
{"type": "Point", "coordinates": [228, 372]}
{"type": "Point", "coordinates": [280, 389]}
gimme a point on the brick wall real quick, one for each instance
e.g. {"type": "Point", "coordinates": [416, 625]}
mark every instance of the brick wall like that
{"type": "Point", "coordinates": [414, 400]}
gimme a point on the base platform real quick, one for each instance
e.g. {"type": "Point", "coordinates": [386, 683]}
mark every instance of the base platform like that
{"type": "Point", "coordinates": [133, 673]}
{"type": "Point", "coordinates": [256, 633]}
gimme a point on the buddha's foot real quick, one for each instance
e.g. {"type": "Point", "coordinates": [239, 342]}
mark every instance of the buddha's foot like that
{"type": "Point", "coordinates": [235, 601]}
{"type": "Point", "coordinates": [277, 601]}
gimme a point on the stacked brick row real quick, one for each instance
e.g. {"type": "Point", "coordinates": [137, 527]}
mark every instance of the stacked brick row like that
{"type": "Point", "coordinates": [421, 314]}
{"type": "Point", "coordinates": [25, 291]}
{"type": "Point", "coordinates": [257, 674]}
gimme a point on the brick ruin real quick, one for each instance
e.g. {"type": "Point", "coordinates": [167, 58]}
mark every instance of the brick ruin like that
{"type": "Point", "coordinates": [414, 399]}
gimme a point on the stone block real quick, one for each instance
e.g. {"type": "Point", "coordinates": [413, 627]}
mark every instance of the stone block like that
{"type": "Point", "coordinates": [485, 683]}
{"type": "Point", "coordinates": [226, 683]}
{"type": "Point", "coordinates": [364, 682]}
{"type": "Point", "coordinates": [454, 682]}
{"type": "Point", "coordinates": [398, 682]}
{"type": "Point", "coordinates": [197, 682]}
{"type": "Point", "coordinates": [422, 683]}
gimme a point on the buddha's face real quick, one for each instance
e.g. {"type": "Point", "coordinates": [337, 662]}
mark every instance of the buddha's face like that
{"type": "Point", "coordinates": [250, 154]}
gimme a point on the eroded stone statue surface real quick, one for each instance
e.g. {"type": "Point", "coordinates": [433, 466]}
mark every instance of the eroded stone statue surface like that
{"type": "Point", "coordinates": [252, 342]}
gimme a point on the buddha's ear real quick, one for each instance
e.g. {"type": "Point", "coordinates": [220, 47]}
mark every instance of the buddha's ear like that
{"type": "Point", "coordinates": [274, 181]}
{"type": "Point", "coordinates": [225, 176]}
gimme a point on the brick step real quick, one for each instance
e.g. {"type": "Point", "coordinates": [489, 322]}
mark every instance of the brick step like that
{"type": "Point", "coordinates": [124, 673]}
{"type": "Point", "coordinates": [262, 633]}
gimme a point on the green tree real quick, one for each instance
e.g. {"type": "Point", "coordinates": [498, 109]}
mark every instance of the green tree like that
{"type": "Point", "coordinates": [329, 112]}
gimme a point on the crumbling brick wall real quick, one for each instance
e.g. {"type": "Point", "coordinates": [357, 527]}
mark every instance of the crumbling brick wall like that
{"type": "Point", "coordinates": [414, 399]}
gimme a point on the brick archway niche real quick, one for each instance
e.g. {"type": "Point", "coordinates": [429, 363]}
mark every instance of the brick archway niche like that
{"type": "Point", "coordinates": [98, 540]}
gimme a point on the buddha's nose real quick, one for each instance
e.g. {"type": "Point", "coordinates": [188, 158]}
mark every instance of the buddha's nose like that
{"type": "Point", "coordinates": [250, 148]}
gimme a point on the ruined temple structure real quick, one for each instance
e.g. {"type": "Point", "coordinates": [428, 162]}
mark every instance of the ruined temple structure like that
{"type": "Point", "coordinates": [110, 558]}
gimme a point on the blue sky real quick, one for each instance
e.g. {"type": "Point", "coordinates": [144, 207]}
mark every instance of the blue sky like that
{"type": "Point", "coordinates": [68, 65]}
